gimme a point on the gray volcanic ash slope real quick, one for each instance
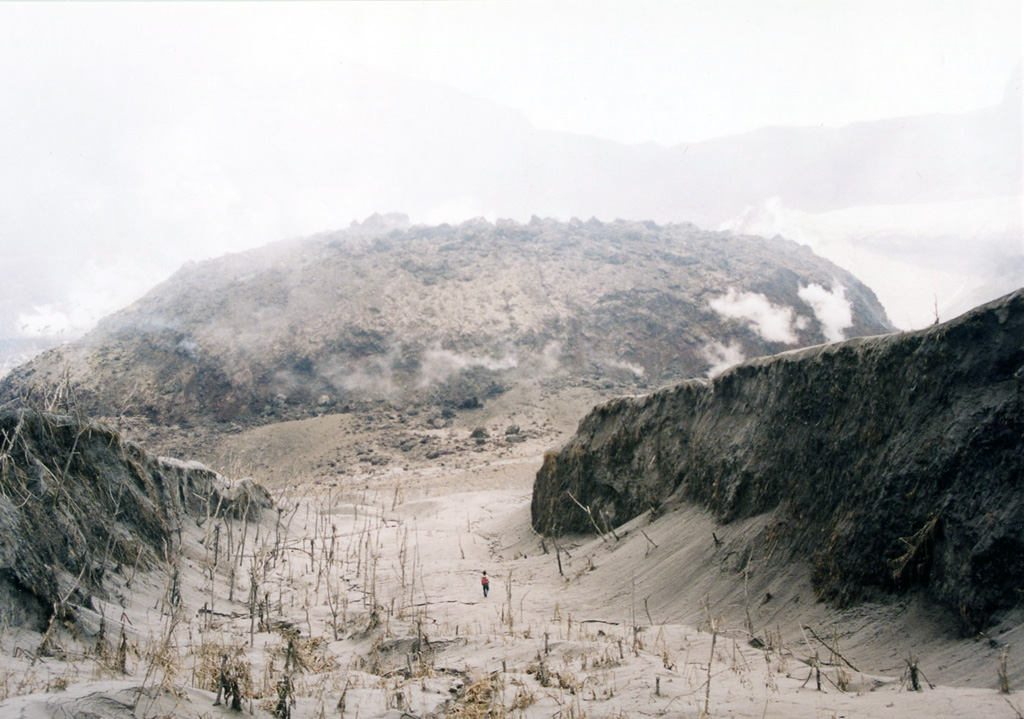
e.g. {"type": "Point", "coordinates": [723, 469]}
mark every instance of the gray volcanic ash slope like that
{"type": "Point", "coordinates": [79, 505]}
{"type": "Point", "coordinates": [892, 463]}
{"type": "Point", "coordinates": [448, 316]}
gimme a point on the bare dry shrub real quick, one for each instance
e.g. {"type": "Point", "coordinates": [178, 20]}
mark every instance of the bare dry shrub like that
{"type": "Point", "coordinates": [307, 654]}
{"type": "Point", "coordinates": [606, 660]}
{"type": "Point", "coordinates": [523, 699]}
{"type": "Point", "coordinates": [1004, 677]}
{"type": "Point", "coordinates": [224, 669]}
{"type": "Point", "coordinates": [568, 681]}
{"type": "Point", "coordinates": [478, 701]}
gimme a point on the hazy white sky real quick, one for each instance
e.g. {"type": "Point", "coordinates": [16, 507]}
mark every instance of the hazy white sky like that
{"type": "Point", "coordinates": [677, 71]}
{"type": "Point", "coordinates": [671, 71]}
{"type": "Point", "coordinates": [113, 116]}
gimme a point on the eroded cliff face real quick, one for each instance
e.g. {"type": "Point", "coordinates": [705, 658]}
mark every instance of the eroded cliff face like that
{"type": "Point", "coordinates": [890, 463]}
{"type": "Point", "coordinates": [77, 502]}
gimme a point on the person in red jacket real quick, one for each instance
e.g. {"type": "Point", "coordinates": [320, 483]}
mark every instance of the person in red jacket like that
{"type": "Point", "coordinates": [486, 583]}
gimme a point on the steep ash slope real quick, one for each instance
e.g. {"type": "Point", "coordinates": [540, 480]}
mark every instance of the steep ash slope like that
{"type": "Point", "coordinates": [893, 462]}
{"type": "Point", "coordinates": [448, 316]}
{"type": "Point", "coordinates": [77, 502]}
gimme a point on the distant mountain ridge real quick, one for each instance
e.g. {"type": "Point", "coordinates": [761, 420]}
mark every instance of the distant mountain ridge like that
{"type": "Point", "coordinates": [349, 147]}
{"type": "Point", "coordinates": [490, 159]}
{"type": "Point", "coordinates": [448, 316]}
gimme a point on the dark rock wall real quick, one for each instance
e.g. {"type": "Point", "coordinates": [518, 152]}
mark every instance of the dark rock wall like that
{"type": "Point", "coordinates": [77, 501]}
{"type": "Point", "coordinates": [892, 462]}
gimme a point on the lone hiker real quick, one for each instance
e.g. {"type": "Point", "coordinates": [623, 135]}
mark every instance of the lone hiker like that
{"type": "Point", "coordinates": [486, 583]}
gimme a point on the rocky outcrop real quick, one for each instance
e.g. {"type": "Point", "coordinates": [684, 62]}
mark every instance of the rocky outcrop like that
{"type": "Point", "coordinates": [77, 501]}
{"type": "Point", "coordinates": [444, 316]}
{"type": "Point", "coordinates": [891, 463]}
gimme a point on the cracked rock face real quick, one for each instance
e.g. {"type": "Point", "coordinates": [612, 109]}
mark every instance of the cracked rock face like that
{"type": "Point", "coordinates": [448, 316]}
{"type": "Point", "coordinates": [889, 463]}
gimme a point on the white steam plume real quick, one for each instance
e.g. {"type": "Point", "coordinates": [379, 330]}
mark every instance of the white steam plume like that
{"type": "Point", "coordinates": [832, 309]}
{"type": "Point", "coordinates": [722, 357]}
{"type": "Point", "coordinates": [440, 364]}
{"type": "Point", "coordinates": [373, 376]}
{"type": "Point", "coordinates": [622, 364]}
{"type": "Point", "coordinates": [551, 356]}
{"type": "Point", "coordinates": [771, 322]}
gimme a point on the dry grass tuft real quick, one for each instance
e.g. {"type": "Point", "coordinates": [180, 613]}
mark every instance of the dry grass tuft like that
{"type": "Point", "coordinates": [479, 701]}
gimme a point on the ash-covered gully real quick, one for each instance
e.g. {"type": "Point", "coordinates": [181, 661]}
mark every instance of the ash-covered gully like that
{"type": "Point", "coordinates": [891, 463]}
{"type": "Point", "coordinates": [78, 502]}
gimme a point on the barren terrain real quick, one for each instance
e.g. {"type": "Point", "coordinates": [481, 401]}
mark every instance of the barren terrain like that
{"type": "Point", "coordinates": [362, 596]}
